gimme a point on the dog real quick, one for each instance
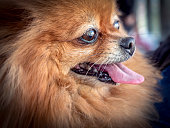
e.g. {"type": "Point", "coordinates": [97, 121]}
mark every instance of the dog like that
{"type": "Point", "coordinates": [70, 64]}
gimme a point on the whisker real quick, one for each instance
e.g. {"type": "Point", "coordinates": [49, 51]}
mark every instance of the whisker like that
{"type": "Point", "coordinates": [97, 49]}
{"type": "Point", "coordinates": [92, 66]}
{"type": "Point", "coordinates": [105, 65]}
{"type": "Point", "coordinates": [134, 34]}
{"type": "Point", "coordinates": [100, 54]}
{"type": "Point", "coordinates": [101, 66]}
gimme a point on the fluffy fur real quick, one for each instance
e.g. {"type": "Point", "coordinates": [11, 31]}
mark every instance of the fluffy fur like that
{"type": "Point", "coordinates": [38, 47]}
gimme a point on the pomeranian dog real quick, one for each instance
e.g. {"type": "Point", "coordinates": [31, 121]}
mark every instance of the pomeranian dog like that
{"type": "Point", "coordinates": [69, 64]}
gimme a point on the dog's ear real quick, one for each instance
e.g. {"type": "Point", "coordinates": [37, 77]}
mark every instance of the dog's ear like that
{"type": "Point", "coordinates": [13, 19]}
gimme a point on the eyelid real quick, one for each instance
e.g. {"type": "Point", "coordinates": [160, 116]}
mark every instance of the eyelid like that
{"type": "Point", "coordinates": [117, 21]}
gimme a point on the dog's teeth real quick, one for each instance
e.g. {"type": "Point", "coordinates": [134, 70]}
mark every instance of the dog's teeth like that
{"type": "Point", "coordinates": [83, 65]}
{"type": "Point", "coordinates": [89, 70]}
{"type": "Point", "coordinates": [88, 66]}
{"type": "Point", "coordinates": [95, 70]}
{"type": "Point", "coordinates": [77, 67]}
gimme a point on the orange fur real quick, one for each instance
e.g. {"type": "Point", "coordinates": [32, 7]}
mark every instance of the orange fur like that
{"type": "Point", "coordinates": [37, 49]}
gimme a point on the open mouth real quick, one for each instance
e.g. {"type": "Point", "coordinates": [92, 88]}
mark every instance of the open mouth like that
{"type": "Point", "coordinates": [95, 70]}
{"type": "Point", "coordinates": [109, 73]}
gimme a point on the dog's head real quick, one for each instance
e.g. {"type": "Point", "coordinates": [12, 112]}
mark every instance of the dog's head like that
{"type": "Point", "coordinates": [89, 41]}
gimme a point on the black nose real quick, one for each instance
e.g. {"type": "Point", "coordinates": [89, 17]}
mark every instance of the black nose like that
{"type": "Point", "coordinates": [128, 44]}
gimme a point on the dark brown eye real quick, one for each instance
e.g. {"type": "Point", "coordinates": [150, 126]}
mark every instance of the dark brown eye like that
{"type": "Point", "coordinates": [90, 36]}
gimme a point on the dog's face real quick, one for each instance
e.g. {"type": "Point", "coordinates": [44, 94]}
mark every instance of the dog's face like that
{"type": "Point", "coordinates": [92, 42]}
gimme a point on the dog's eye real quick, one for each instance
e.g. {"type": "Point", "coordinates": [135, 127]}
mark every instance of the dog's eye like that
{"type": "Point", "coordinates": [116, 24]}
{"type": "Point", "coordinates": [90, 36]}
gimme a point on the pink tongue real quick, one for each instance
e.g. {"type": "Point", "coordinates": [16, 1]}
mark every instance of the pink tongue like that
{"type": "Point", "coordinates": [121, 74]}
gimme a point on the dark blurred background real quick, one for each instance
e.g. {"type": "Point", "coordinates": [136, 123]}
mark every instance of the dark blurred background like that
{"type": "Point", "coordinates": [147, 20]}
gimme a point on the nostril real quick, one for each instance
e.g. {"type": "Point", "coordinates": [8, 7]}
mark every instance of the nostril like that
{"type": "Point", "coordinates": [130, 45]}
